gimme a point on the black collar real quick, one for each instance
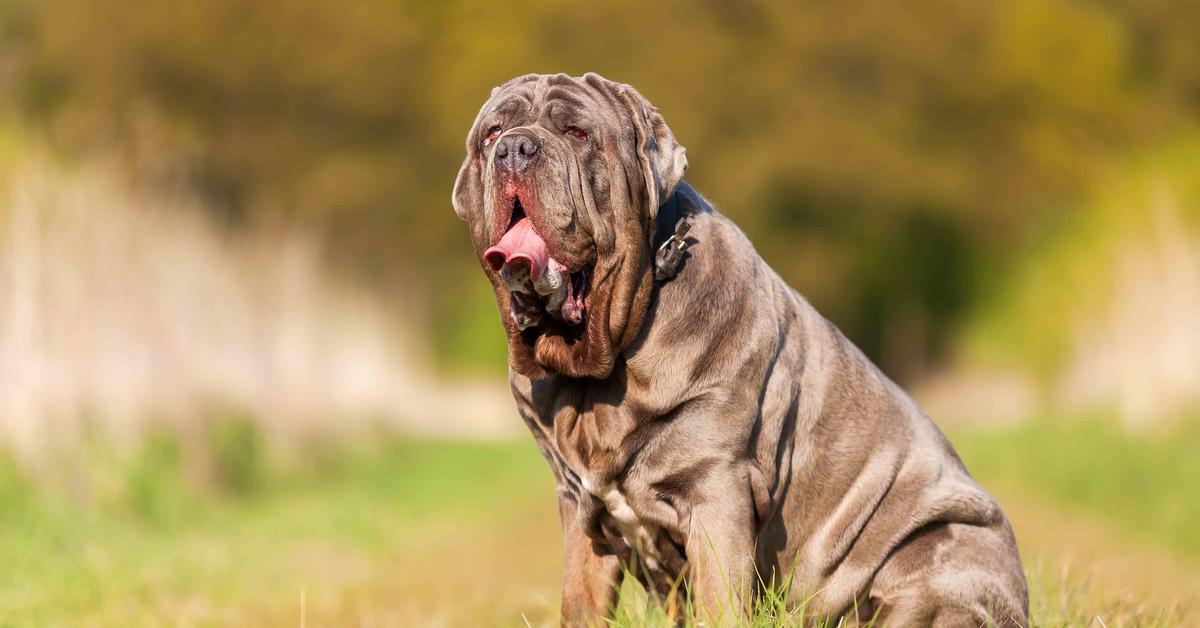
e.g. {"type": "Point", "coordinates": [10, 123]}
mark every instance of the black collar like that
{"type": "Point", "coordinates": [670, 239]}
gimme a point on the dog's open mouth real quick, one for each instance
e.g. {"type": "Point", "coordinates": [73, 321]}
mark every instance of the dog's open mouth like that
{"type": "Point", "coordinates": [538, 284]}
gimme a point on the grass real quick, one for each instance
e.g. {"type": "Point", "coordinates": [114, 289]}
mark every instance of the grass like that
{"type": "Point", "coordinates": [1140, 483]}
{"type": "Point", "coordinates": [238, 556]}
{"type": "Point", "coordinates": [400, 532]}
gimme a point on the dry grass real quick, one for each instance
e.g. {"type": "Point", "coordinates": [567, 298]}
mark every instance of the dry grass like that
{"type": "Point", "coordinates": [441, 534]}
{"type": "Point", "coordinates": [123, 310]}
{"type": "Point", "coordinates": [1082, 572]}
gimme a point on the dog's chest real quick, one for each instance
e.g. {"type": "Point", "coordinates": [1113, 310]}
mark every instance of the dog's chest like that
{"type": "Point", "coordinates": [583, 443]}
{"type": "Point", "coordinates": [641, 535]}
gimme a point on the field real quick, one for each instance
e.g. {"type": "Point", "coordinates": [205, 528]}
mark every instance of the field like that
{"type": "Point", "coordinates": [251, 373]}
{"type": "Point", "coordinates": [401, 531]}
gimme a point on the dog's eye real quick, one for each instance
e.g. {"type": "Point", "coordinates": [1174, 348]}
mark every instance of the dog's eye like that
{"type": "Point", "coordinates": [577, 133]}
{"type": "Point", "coordinates": [492, 134]}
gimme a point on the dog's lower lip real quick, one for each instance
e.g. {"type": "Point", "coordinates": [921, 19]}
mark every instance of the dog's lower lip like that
{"type": "Point", "coordinates": [568, 312]}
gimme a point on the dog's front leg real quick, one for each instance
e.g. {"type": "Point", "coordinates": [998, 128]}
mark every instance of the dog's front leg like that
{"type": "Point", "coordinates": [720, 549]}
{"type": "Point", "coordinates": [590, 577]}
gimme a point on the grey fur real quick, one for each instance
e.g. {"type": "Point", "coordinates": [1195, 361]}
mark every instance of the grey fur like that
{"type": "Point", "coordinates": [716, 426]}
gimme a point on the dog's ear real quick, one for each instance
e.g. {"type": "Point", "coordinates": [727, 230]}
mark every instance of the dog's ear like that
{"type": "Point", "coordinates": [663, 159]}
{"type": "Point", "coordinates": [468, 186]}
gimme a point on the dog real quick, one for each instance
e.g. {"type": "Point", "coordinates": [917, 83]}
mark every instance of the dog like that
{"type": "Point", "coordinates": [706, 427]}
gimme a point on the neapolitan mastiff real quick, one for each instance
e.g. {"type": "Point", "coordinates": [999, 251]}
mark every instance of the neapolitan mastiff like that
{"type": "Point", "coordinates": [702, 420]}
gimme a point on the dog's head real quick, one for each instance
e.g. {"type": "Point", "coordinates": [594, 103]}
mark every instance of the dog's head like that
{"type": "Point", "coordinates": [561, 187]}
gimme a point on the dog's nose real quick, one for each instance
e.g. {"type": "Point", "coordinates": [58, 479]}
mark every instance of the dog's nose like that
{"type": "Point", "coordinates": [516, 152]}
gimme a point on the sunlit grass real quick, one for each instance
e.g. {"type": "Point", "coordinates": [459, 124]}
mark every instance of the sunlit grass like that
{"type": "Point", "coordinates": [1062, 597]}
{"type": "Point", "coordinates": [397, 532]}
{"type": "Point", "coordinates": [231, 554]}
{"type": "Point", "coordinates": [774, 605]}
{"type": "Point", "coordinates": [1142, 483]}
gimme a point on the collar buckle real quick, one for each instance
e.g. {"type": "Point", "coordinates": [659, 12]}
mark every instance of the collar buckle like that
{"type": "Point", "coordinates": [669, 257]}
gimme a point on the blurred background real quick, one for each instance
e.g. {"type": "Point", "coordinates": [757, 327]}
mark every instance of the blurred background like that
{"type": "Point", "coordinates": [250, 371]}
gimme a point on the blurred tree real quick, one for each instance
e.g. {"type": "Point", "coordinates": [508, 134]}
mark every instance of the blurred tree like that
{"type": "Point", "coordinates": [881, 155]}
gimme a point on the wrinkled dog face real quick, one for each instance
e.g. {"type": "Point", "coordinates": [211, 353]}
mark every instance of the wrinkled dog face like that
{"type": "Point", "coordinates": [561, 185]}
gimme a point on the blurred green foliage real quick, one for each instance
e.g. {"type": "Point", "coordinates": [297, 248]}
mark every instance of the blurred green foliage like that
{"type": "Point", "coordinates": [887, 158]}
{"type": "Point", "coordinates": [154, 484]}
{"type": "Point", "coordinates": [466, 335]}
{"type": "Point", "coordinates": [1092, 465]}
{"type": "Point", "coordinates": [236, 451]}
{"type": "Point", "coordinates": [14, 489]}
{"type": "Point", "coordinates": [1027, 316]}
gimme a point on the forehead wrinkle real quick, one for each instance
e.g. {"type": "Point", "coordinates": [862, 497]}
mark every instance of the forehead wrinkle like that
{"type": "Point", "coordinates": [560, 93]}
{"type": "Point", "coordinates": [518, 99]}
{"type": "Point", "coordinates": [562, 87]}
{"type": "Point", "coordinates": [559, 79]}
{"type": "Point", "coordinates": [607, 96]}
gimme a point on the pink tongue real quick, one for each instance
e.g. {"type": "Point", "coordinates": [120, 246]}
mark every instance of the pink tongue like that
{"type": "Point", "coordinates": [521, 242]}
